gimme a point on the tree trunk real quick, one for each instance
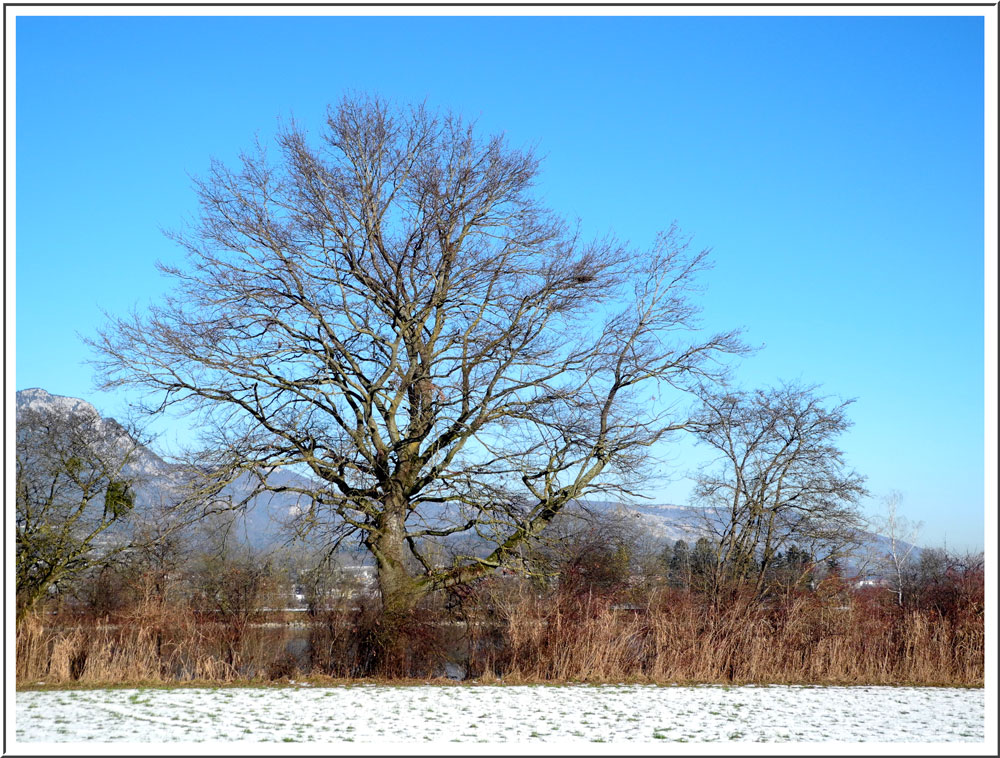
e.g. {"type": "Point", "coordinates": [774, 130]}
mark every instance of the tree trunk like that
{"type": "Point", "coordinates": [400, 591]}
{"type": "Point", "coordinates": [26, 602]}
{"type": "Point", "coordinates": [398, 588]}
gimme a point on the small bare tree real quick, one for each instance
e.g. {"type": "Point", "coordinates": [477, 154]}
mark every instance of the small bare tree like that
{"type": "Point", "coordinates": [901, 535]}
{"type": "Point", "coordinates": [74, 496]}
{"type": "Point", "coordinates": [390, 312]}
{"type": "Point", "coordinates": [779, 479]}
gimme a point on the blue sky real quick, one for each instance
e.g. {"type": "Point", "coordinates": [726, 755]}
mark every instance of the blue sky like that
{"type": "Point", "coordinates": [834, 165]}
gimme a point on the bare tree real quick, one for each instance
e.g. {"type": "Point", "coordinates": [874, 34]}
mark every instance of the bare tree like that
{"type": "Point", "coordinates": [779, 479]}
{"type": "Point", "coordinates": [584, 548]}
{"type": "Point", "coordinates": [74, 496]}
{"type": "Point", "coordinates": [390, 312]}
{"type": "Point", "coordinates": [901, 535]}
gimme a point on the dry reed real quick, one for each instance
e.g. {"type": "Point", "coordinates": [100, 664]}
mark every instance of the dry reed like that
{"type": "Point", "coordinates": [517, 636]}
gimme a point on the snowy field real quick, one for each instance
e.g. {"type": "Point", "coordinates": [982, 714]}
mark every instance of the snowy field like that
{"type": "Point", "coordinates": [490, 714]}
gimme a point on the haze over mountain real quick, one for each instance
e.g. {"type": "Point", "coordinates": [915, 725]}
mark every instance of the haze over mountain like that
{"type": "Point", "coordinates": [261, 524]}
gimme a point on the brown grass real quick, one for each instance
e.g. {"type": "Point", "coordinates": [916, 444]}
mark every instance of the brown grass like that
{"type": "Point", "coordinates": [678, 637]}
{"type": "Point", "coordinates": [512, 634]}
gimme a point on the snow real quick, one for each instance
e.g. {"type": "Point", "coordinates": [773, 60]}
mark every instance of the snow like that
{"type": "Point", "coordinates": [418, 717]}
{"type": "Point", "coordinates": [42, 400]}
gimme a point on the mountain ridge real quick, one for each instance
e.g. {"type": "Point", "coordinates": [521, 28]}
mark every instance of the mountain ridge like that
{"type": "Point", "coordinates": [262, 521]}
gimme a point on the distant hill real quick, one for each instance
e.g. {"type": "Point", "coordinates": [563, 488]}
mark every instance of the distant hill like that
{"type": "Point", "coordinates": [668, 523]}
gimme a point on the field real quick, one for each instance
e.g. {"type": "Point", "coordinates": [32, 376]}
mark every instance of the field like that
{"type": "Point", "coordinates": [422, 715]}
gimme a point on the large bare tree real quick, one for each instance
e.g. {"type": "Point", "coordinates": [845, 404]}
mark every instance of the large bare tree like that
{"type": "Point", "coordinates": [779, 479]}
{"type": "Point", "coordinates": [389, 310]}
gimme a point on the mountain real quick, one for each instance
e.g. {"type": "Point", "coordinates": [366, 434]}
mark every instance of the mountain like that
{"type": "Point", "coordinates": [261, 524]}
{"type": "Point", "coordinates": [660, 521]}
{"type": "Point", "coordinates": [145, 463]}
{"type": "Point", "coordinates": [39, 399]}
{"type": "Point", "coordinates": [156, 482]}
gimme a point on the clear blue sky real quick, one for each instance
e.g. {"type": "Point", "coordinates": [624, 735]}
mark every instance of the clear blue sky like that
{"type": "Point", "coordinates": [834, 165]}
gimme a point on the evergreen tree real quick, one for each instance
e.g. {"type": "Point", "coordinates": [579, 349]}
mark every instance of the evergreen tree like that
{"type": "Point", "coordinates": [702, 564]}
{"type": "Point", "coordinates": [680, 565]}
